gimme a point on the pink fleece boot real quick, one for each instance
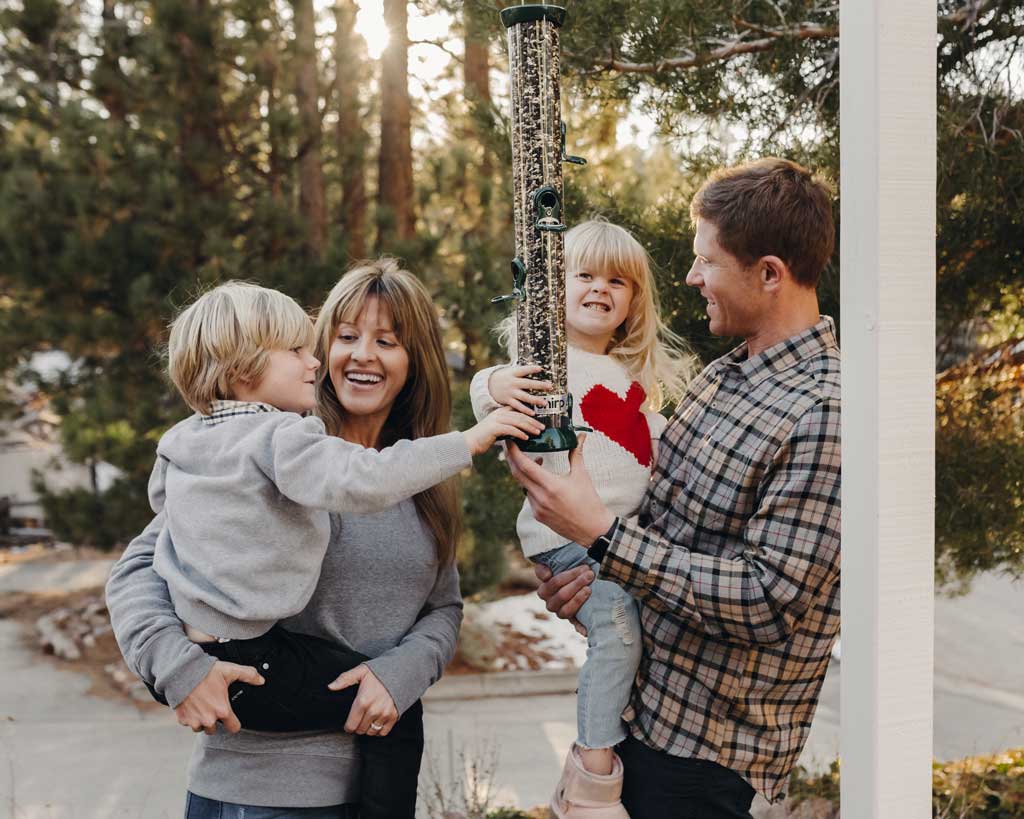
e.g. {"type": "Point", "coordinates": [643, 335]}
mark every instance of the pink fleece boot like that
{"type": "Point", "coordinates": [584, 795]}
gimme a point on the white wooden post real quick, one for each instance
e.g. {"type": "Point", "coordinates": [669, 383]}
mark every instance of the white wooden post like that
{"type": "Point", "coordinates": [887, 120]}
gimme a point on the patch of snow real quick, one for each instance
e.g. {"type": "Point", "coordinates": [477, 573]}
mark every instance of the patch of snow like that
{"type": "Point", "coordinates": [526, 614]}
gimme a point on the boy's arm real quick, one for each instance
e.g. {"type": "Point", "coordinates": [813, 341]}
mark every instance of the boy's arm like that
{"type": "Point", "coordinates": [147, 630]}
{"type": "Point", "coordinates": [479, 394]}
{"type": "Point", "coordinates": [323, 472]}
{"type": "Point", "coordinates": [418, 661]}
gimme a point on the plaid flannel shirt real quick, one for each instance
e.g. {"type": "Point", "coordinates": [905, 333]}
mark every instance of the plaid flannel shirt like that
{"type": "Point", "coordinates": [735, 560]}
{"type": "Point", "coordinates": [223, 410]}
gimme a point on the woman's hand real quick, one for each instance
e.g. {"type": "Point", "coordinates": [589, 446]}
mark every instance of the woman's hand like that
{"type": "Point", "coordinates": [373, 705]}
{"type": "Point", "coordinates": [501, 422]}
{"type": "Point", "coordinates": [208, 703]}
{"type": "Point", "coordinates": [510, 387]}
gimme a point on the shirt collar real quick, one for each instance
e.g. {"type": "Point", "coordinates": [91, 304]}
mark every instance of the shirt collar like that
{"type": "Point", "coordinates": [780, 357]}
{"type": "Point", "coordinates": [221, 411]}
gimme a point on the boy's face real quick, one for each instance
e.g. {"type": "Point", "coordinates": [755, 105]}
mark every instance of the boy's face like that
{"type": "Point", "coordinates": [732, 290]}
{"type": "Point", "coordinates": [289, 381]}
{"type": "Point", "coordinates": [596, 304]}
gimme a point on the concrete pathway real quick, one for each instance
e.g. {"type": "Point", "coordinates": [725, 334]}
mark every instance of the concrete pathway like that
{"type": "Point", "coordinates": [66, 754]}
{"type": "Point", "coordinates": [43, 576]}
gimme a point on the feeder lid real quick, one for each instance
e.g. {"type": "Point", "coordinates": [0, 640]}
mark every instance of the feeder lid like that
{"type": "Point", "coordinates": [514, 15]}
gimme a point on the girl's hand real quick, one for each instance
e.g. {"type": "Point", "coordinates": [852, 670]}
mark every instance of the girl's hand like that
{"type": "Point", "coordinates": [501, 422]}
{"type": "Point", "coordinates": [373, 706]}
{"type": "Point", "coordinates": [509, 386]}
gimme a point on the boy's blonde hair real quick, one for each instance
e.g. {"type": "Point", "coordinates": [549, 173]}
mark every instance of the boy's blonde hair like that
{"type": "Point", "coordinates": [651, 353]}
{"type": "Point", "coordinates": [224, 337]}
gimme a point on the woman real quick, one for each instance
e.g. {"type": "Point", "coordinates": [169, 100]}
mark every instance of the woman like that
{"type": "Point", "coordinates": [388, 587]}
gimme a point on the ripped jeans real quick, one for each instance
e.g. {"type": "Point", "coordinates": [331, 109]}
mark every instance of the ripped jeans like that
{"type": "Point", "coordinates": [612, 621]}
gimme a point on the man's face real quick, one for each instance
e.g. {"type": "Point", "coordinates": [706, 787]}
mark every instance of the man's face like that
{"type": "Point", "coordinates": [732, 290]}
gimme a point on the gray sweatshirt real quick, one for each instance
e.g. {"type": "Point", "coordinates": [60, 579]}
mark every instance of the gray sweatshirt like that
{"type": "Point", "coordinates": [380, 592]}
{"type": "Point", "coordinates": [246, 505]}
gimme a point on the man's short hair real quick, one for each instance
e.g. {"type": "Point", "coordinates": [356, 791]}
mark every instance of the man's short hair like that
{"type": "Point", "coordinates": [771, 207]}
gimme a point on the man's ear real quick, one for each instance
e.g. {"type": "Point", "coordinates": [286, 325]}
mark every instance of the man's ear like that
{"type": "Point", "coordinates": [772, 272]}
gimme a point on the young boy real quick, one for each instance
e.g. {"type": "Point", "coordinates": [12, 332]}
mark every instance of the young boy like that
{"type": "Point", "coordinates": [246, 487]}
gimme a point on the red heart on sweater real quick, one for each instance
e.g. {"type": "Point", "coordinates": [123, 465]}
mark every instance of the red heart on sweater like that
{"type": "Point", "coordinates": [621, 420]}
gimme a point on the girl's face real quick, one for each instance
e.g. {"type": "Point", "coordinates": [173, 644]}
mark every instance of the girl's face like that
{"type": "Point", "coordinates": [366, 363]}
{"type": "Point", "coordinates": [596, 305]}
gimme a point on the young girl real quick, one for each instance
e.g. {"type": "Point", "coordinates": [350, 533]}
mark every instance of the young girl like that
{"type": "Point", "coordinates": [622, 360]}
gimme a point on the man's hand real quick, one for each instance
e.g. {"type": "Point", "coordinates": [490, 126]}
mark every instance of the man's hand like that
{"type": "Point", "coordinates": [373, 705]}
{"type": "Point", "coordinates": [569, 504]}
{"type": "Point", "coordinates": [208, 703]}
{"type": "Point", "coordinates": [565, 592]}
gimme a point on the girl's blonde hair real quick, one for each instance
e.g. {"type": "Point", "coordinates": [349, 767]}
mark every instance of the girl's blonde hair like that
{"type": "Point", "coordinates": [225, 336]}
{"type": "Point", "coordinates": [651, 353]}
{"type": "Point", "coordinates": [424, 404]}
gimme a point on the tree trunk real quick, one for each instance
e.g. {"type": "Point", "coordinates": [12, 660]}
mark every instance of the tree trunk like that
{"type": "Point", "coordinates": [312, 202]}
{"type": "Point", "coordinates": [477, 182]}
{"type": "Point", "coordinates": [396, 218]}
{"type": "Point", "coordinates": [350, 134]}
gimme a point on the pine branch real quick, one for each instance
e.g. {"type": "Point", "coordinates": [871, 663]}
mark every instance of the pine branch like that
{"type": "Point", "coordinates": [735, 48]}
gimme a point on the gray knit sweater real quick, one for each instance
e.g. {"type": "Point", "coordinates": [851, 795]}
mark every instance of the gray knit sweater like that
{"type": "Point", "coordinates": [380, 592]}
{"type": "Point", "coordinates": [246, 505]}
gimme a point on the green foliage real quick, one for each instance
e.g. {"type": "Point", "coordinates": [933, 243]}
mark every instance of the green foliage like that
{"type": "Point", "coordinates": [980, 456]}
{"type": "Point", "coordinates": [490, 502]}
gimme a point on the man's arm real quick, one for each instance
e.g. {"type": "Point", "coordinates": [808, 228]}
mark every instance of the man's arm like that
{"type": "Point", "coordinates": [789, 552]}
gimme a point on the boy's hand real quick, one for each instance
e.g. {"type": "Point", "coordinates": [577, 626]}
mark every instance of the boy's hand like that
{"type": "Point", "coordinates": [208, 703]}
{"type": "Point", "coordinates": [373, 713]}
{"type": "Point", "coordinates": [500, 423]}
{"type": "Point", "coordinates": [509, 386]}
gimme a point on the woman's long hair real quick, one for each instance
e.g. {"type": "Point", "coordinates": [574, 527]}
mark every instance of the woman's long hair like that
{"type": "Point", "coordinates": [423, 406]}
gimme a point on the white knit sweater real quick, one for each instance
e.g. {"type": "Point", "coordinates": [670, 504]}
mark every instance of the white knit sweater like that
{"type": "Point", "coordinates": [619, 453]}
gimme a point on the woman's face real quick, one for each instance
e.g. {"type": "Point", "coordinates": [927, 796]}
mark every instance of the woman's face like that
{"type": "Point", "coordinates": [366, 363]}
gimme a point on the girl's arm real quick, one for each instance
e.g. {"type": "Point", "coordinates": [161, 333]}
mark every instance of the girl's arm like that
{"type": "Point", "coordinates": [149, 633]}
{"type": "Point", "coordinates": [508, 386]}
{"type": "Point", "coordinates": [480, 394]}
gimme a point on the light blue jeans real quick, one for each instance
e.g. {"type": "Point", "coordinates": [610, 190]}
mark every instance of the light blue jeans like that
{"type": "Point", "coordinates": [612, 621]}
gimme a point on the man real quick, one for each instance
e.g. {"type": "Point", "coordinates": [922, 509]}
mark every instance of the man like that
{"type": "Point", "coordinates": [735, 554]}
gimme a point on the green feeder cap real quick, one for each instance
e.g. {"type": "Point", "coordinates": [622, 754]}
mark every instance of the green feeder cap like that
{"type": "Point", "coordinates": [514, 15]}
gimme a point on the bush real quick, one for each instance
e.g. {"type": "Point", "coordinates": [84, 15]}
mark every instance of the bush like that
{"type": "Point", "coordinates": [100, 519]}
{"type": "Point", "coordinates": [982, 787]}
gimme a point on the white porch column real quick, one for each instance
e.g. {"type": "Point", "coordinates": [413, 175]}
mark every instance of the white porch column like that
{"type": "Point", "coordinates": [888, 59]}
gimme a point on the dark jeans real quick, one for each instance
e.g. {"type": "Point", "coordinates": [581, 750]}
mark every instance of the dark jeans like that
{"type": "Point", "coordinates": [659, 786]}
{"type": "Point", "coordinates": [199, 807]}
{"type": "Point", "coordinates": [295, 697]}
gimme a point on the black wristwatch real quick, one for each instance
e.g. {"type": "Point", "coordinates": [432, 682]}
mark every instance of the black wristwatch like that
{"type": "Point", "coordinates": [600, 546]}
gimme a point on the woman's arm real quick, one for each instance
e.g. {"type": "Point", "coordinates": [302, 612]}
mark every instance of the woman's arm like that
{"type": "Point", "coordinates": [147, 630]}
{"type": "Point", "coordinates": [418, 661]}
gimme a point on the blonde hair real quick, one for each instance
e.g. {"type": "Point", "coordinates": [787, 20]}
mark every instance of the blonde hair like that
{"type": "Point", "coordinates": [651, 353]}
{"type": "Point", "coordinates": [424, 404]}
{"type": "Point", "coordinates": [224, 337]}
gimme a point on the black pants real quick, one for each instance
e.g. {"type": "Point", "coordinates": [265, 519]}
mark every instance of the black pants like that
{"type": "Point", "coordinates": [295, 697]}
{"type": "Point", "coordinates": [659, 786]}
